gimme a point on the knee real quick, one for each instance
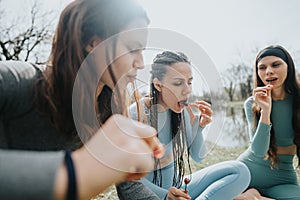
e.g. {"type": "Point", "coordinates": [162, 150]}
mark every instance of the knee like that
{"type": "Point", "coordinates": [243, 171]}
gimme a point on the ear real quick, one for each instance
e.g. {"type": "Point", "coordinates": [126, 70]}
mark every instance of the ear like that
{"type": "Point", "coordinates": [92, 44]}
{"type": "Point", "coordinates": [157, 84]}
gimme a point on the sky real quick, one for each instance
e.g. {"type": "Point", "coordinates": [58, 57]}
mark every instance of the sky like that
{"type": "Point", "coordinates": [230, 31]}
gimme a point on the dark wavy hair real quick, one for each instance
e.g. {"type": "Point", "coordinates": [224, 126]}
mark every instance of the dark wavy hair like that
{"type": "Point", "coordinates": [161, 64]}
{"type": "Point", "coordinates": [291, 87]}
{"type": "Point", "coordinates": [79, 23]}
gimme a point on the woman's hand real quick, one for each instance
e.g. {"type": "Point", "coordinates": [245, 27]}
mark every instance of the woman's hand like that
{"type": "Point", "coordinates": [122, 149]}
{"type": "Point", "coordinates": [177, 194]}
{"type": "Point", "coordinates": [262, 96]}
{"type": "Point", "coordinates": [205, 112]}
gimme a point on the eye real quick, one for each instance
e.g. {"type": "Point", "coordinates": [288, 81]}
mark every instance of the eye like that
{"type": "Point", "coordinates": [177, 83]}
{"type": "Point", "coordinates": [276, 64]}
{"type": "Point", "coordinates": [261, 67]}
{"type": "Point", "coordinates": [190, 83]}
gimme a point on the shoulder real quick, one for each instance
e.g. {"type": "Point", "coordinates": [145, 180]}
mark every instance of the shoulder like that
{"type": "Point", "coordinates": [248, 103]}
{"type": "Point", "coordinates": [16, 84]}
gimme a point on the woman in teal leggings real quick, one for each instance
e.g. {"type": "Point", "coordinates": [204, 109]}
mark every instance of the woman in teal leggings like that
{"type": "Point", "coordinates": [273, 115]}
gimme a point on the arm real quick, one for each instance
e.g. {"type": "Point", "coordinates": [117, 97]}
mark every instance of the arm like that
{"type": "Point", "coordinates": [197, 124]}
{"type": "Point", "coordinates": [260, 136]}
{"type": "Point", "coordinates": [195, 138]}
{"type": "Point", "coordinates": [121, 150]}
{"type": "Point", "coordinates": [16, 82]}
{"type": "Point", "coordinates": [28, 174]}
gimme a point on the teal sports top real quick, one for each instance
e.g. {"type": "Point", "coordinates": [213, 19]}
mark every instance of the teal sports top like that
{"type": "Point", "coordinates": [281, 118]}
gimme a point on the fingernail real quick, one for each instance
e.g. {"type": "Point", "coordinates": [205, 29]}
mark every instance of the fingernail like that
{"type": "Point", "coordinates": [160, 151]}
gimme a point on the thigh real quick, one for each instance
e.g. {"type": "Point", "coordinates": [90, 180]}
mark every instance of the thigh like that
{"type": "Point", "coordinates": [283, 192]}
{"type": "Point", "coordinates": [135, 190]}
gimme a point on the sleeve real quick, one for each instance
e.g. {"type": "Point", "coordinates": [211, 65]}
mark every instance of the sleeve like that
{"type": "Point", "coordinates": [195, 138]}
{"type": "Point", "coordinates": [160, 192]}
{"type": "Point", "coordinates": [28, 174]}
{"type": "Point", "coordinates": [260, 135]}
{"type": "Point", "coordinates": [16, 81]}
{"type": "Point", "coordinates": [133, 111]}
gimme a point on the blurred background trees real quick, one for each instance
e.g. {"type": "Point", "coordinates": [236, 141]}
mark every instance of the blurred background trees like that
{"type": "Point", "coordinates": [26, 37]}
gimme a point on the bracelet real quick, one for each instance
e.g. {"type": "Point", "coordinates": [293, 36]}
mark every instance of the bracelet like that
{"type": "Point", "coordinates": [72, 186]}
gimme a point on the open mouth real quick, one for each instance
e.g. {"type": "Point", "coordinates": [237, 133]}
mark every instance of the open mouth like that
{"type": "Point", "coordinates": [183, 102]}
{"type": "Point", "coordinates": [270, 80]}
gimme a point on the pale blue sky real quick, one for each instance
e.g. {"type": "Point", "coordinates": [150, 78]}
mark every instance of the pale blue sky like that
{"type": "Point", "coordinates": [228, 30]}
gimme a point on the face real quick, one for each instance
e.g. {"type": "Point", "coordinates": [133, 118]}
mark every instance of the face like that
{"type": "Point", "coordinates": [272, 70]}
{"type": "Point", "coordinates": [176, 86]}
{"type": "Point", "coordinates": [129, 56]}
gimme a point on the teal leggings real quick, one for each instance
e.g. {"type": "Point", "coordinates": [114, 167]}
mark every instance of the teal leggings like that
{"type": "Point", "coordinates": [279, 183]}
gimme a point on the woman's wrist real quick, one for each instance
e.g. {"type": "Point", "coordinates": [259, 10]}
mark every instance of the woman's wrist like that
{"type": "Point", "coordinates": [92, 175]}
{"type": "Point", "coordinates": [265, 117]}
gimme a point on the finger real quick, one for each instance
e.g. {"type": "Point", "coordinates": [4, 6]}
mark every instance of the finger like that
{"type": "Point", "coordinates": [206, 110]}
{"type": "Point", "coordinates": [191, 114]}
{"type": "Point", "coordinates": [139, 130]}
{"type": "Point", "coordinates": [259, 94]}
{"type": "Point", "coordinates": [149, 135]}
{"type": "Point", "coordinates": [203, 103]}
{"type": "Point", "coordinates": [204, 121]}
{"type": "Point", "coordinates": [181, 194]}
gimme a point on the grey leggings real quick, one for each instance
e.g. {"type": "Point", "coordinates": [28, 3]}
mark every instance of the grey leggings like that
{"type": "Point", "coordinates": [135, 190]}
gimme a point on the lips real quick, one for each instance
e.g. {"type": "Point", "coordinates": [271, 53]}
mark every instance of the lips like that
{"type": "Point", "coordinates": [183, 102]}
{"type": "Point", "coordinates": [270, 80]}
{"type": "Point", "coordinates": [131, 77]}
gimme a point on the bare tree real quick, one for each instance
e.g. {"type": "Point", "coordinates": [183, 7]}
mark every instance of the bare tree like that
{"type": "Point", "coordinates": [24, 43]}
{"type": "Point", "coordinates": [238, 81]}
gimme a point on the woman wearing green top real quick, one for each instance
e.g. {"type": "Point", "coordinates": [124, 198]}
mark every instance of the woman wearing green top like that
{"type": "Point", "coordinates": [273, 115]}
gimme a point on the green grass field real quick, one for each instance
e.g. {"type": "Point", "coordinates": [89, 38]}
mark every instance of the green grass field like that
{"type": "Point", "coordinates": [217, 154]}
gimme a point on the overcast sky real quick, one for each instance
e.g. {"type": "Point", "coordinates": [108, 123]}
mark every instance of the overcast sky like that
{"type": "Point", "coordinates": [228, 30]}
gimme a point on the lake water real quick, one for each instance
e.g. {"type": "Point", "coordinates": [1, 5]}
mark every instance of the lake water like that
{"type": "Point", "coordinates": [234, 131]}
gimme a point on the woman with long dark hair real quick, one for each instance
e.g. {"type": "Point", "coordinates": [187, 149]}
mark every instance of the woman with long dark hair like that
{"type": "Point", "coordinates": [167, 110]}
{"type": "Point", "coordinates": [273, 115]}
{"type": "Point", "coordinates": [36, 109]}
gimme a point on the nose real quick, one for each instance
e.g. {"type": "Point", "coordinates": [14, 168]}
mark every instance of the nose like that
{"type": "Point", "coordinates": [269, 70]}
{"type": "Point", "coordinates": [187, 89]}
{"type": "Point", "coordinates": [138, 61]}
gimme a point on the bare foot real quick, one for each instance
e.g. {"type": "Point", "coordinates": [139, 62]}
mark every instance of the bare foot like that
{"type": "Point", "coordinates": [251, 194]}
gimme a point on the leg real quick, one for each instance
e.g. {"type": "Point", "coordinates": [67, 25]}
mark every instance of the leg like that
{"type": "Point", "coordinates": [220, 181]}
{"type": "Point", "coordinates": [134, 190]}
{"type": "Point", "coordinates": [283, 192]}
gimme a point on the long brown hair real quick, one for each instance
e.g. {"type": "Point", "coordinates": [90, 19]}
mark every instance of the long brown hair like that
{"type": "Point", "coordinates": [291, 87]}
{"type": "Point", "coordinates": [79, 23]}
{"type": "Point", "coordinates": [160, 66]}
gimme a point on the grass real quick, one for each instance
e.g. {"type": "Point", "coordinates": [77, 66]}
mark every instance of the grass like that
{"type": "Point", "coordinates": [216, 155]}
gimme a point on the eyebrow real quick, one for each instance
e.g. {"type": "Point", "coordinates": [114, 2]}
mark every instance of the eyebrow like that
{"type": "Point", "coordinates": [191, 78]}
{"type": "Point", "coordinates": [277, 60]}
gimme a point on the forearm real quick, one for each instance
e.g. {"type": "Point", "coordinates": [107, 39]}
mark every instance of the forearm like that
{"type": "Point", "coordinates": [197, 145]}
{"type": "Point", "coordinates": [28, 174]}
{"type": "Point", "coordinates": [92, 176]}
